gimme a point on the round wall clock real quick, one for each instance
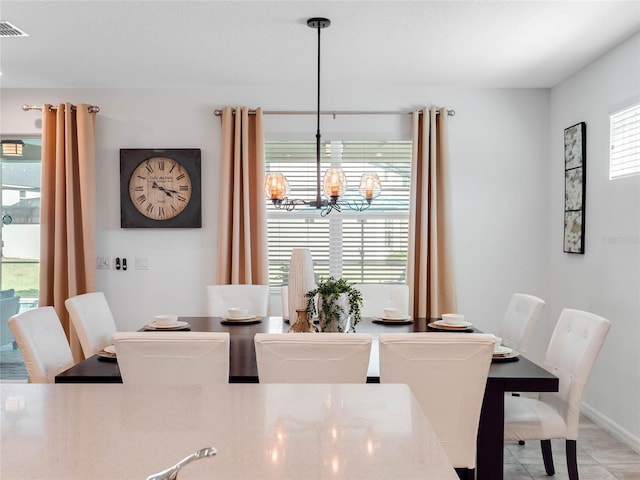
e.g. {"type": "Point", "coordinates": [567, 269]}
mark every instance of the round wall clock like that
{"type": "Point", "coordinates": [160, 188]}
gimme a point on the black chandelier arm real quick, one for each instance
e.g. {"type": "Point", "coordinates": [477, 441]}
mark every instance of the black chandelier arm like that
{"type": "Point", "coordinates": [325, 206]}
{"type": "Point", "coordinates": [357, 205]}
{"type": "Point", "coordinates": [329, 208]}
{"type": "Point", "coordinates": [336, 204]}
{"type": "Point", "coordinates": [288, 204]}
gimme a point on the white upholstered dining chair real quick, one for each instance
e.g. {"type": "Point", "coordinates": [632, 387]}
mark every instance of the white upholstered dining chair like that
{"type": "Point", "coordinates": [253, 297]}
{"type": "Point", "coordinates": [312, 358]}
{"type": "Point", "coordinates": [520, 321]}
{"type": "Point", "coordinates": [93, 321]}
{"type": "Point", "coordinates": [378, 296]}
{"type": "Point", "coordinates": [42, 342]}
{"type": "Point", "coordinates": [447, 372]}
{"type": "Point", "coordinates": [173, 358]}
{"type": "Point", "coordinates": [573, 349]}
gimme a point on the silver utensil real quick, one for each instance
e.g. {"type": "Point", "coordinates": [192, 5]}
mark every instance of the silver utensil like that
{"type": "Point", "coordinates": [171, 473]}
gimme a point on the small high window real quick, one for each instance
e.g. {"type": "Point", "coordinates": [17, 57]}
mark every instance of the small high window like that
{"type": "Point", "coordinates": [625, 142]}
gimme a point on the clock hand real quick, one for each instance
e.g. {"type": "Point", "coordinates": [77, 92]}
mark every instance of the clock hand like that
{"type": "Point", "coordinates": [169, 193]}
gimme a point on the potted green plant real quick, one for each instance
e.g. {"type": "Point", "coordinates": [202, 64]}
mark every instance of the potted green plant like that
{"type": "Point", "coordinates": [337, 301]}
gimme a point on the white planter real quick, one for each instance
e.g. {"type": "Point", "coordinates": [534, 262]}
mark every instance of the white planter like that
{"type": "Point", "coordinates": [338, 323]}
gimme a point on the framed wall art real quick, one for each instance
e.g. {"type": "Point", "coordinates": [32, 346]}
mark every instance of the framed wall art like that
{"type": "Point", "coordinates": [575, 143]}
{"type": "Point", "coordinates": [160, 188]}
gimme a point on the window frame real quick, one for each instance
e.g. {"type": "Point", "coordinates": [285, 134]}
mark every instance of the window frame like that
{"type": "Point", "coordinates": [31, 227]}
{"type": "Point", "coordinates": [341, 222]}
{"type": "Point", "coordinates": [631, 125]}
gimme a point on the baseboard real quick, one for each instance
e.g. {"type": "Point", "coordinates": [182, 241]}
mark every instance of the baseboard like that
{"type": "Point", "coordinates": [613, 428]}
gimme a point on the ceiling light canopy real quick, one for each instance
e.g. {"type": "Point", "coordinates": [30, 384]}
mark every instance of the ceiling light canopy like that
{"type": "Point", "coordinates": [334, 184]}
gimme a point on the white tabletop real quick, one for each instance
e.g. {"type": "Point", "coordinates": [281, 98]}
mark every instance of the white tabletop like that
{"type": "Point", "coordinates": [101, 431]}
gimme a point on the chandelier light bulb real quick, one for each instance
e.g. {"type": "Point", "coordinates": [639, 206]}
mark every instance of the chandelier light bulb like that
{"type": "Point", "coordinates": [276, 187]}
{"type": "Point", "coordinates": [370, 186]}
{"type": "Point", "coordinates": [335, 182]}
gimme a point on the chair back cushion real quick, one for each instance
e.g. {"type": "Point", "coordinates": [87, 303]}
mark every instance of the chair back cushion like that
{"type": "Point", "coordinates": [93, 321]}
{"type": "Point", "coordinates": [520, 320]}
{"type": "Point", "coordinates": [447, 372]}
{"type": "Point", "coordinates": [378, 296]}
{"type": "Point", "coordinates": [42, 342]}
{"type": "Point", "coordinates": [173, 358]}
{"type": "Point", "coordinates": [253, 297]}
{"type": "Point", "coordinates": [573, 349]}
{"type": "Point", "coordinates": [312, 357]}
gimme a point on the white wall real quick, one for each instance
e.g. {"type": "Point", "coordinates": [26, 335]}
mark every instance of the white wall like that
{"type": "Point", "coordinates": [606, 279]}
{"type": "Point", "coordinates": [498, 152]}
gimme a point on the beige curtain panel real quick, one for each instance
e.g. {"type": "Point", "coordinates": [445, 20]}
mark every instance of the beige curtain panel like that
{"type": "Point", "coordinates": [430, 273]}
{"type": "Point", "coordinates": [242, 217]}
{"type": "Point", "coordinates": [67, 214]}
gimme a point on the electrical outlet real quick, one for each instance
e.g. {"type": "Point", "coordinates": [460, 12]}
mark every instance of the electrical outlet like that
{"type": "Point", "coordinates": [104, 263]}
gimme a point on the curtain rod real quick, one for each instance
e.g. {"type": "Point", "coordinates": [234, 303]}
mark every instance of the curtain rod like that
{"type": "Point", "coordinates": [26, 108]}
{"type": "Point", "coordinates": [218, 113]}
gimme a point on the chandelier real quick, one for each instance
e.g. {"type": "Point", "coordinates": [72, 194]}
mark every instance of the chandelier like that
{"type": "Point", "coordinates": [334, 184]}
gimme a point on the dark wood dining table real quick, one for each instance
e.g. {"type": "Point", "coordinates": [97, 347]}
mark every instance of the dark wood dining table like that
{"type": "Point", "coordinates": [521, 375]}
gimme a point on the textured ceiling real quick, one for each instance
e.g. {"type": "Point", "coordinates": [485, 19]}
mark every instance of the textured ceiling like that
{"type": "Point", "coordinates": [182, 44]}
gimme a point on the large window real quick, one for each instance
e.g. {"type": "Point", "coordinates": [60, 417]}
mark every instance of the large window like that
{"type": "Point", "coordinates": [20, 172]}
{"type": "Point", "coordinates": [625, 142]}
{"type": "Point", "coordinates": [368, 246]}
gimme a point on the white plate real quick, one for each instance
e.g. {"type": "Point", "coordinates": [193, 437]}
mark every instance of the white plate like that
{"type": "Point", "coordinates": [501, 351]}
{"type": "Point", "coordinates": [463, 324]}
{"type": "Point", "coordinates": [240, 319]}
{"type": "Point", "coordinates": [110, 349]}
{"type": "Point", "coordinates": [511, 354]}
{"type": "Point", "coordinates": [394, 319]}
{"type": "Point", "coordinates": [153, 325]}
{"type": "Point", "coordinates": [448, 328]}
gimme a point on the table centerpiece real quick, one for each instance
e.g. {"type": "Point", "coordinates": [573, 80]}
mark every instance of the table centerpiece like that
{"type": "Point", "coordinates": [338, 301]}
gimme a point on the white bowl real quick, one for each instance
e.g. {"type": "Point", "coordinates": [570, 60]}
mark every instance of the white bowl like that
{"type": "Point", "coordinates": [452, 318]}
{"type": "Point", "coordinates": [235, 312]}
{"type": "Point", "coordinates": [391, 312]}
{"type": "Point", "coordinates": [166, 320]}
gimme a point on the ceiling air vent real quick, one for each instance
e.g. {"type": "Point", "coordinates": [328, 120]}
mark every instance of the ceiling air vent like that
{"type": "Point", "coordinates": [8, 30]}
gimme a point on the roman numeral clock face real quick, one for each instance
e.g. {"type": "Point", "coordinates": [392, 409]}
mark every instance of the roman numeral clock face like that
{"type": "Point", "coordinates": [160, 188]}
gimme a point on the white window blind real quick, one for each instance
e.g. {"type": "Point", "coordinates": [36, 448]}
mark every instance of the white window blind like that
{"type": "Point", "coordinates": [368, 246]}
{"type": "Point", "coordinates": [625, 142]}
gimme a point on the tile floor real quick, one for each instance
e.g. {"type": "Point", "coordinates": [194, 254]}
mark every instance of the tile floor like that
{"type": "Point", "coordinates": [600, 457]}
{"type": "Point", "coordinates": [11, 364]}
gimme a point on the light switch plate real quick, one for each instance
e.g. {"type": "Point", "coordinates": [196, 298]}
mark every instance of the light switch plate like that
{"type": "Point", "coordinates": [104, 263]}
{"type": "Point", "coordinates": [142, 263]}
